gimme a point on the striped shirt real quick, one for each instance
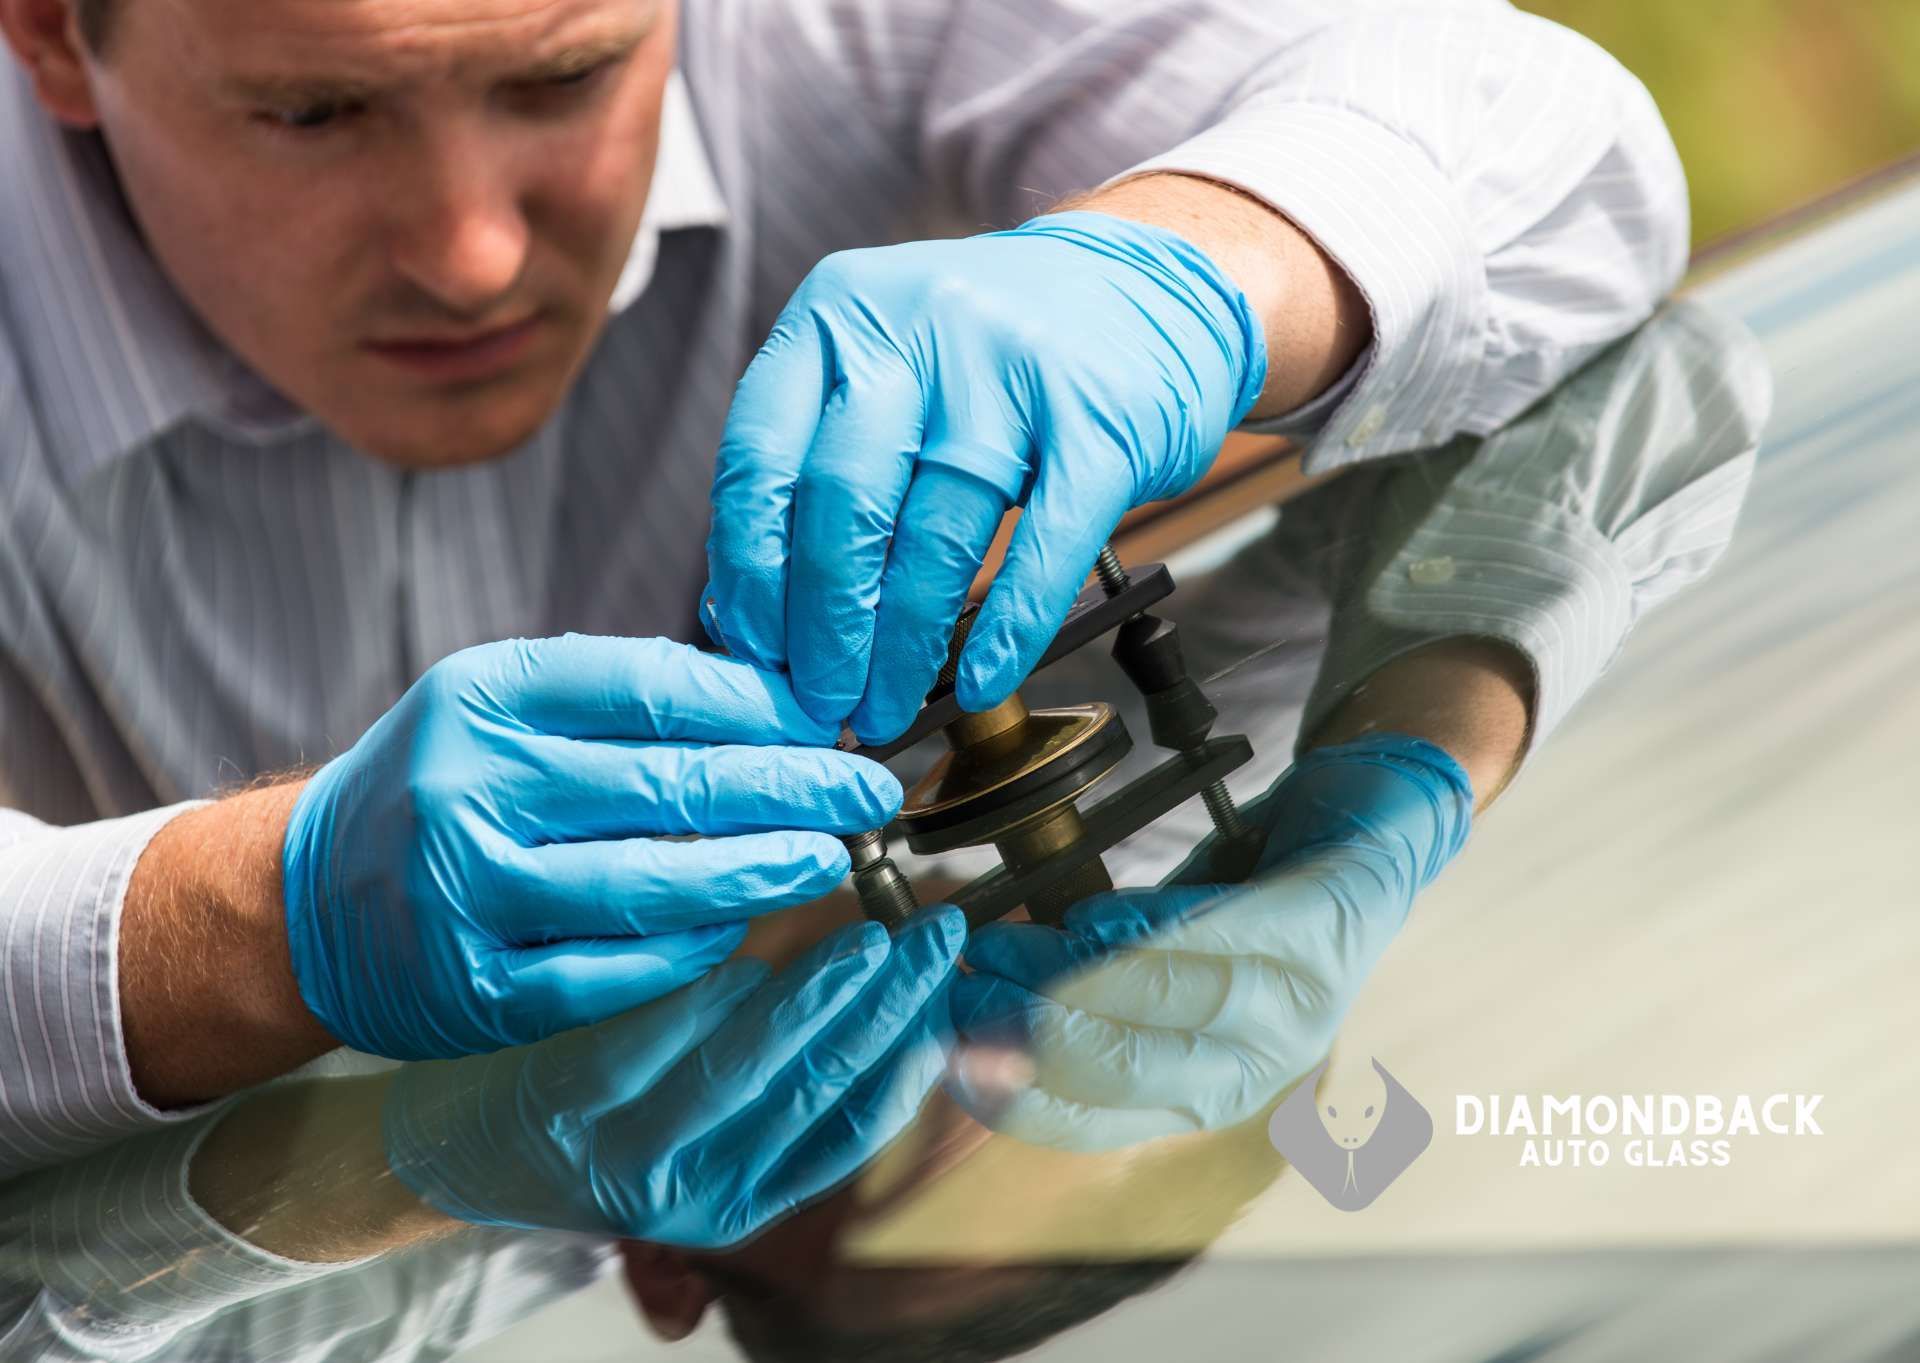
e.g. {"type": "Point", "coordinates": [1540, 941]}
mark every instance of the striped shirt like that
{"type": "Point", "coordinates": [198, 584]}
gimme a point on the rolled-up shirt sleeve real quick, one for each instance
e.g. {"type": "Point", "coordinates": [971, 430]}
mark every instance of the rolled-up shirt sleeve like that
{"type": "Point", "coordinates": [114, 1258]}
{"type": "Point", "coordinates": [1502, 191]}
{"type": "Point", "coordinates": [65, 1084]}
{"type": "Point", "coordinates": [111, 1257]}
{"type": "Point", "coordinates": [1554, 535]}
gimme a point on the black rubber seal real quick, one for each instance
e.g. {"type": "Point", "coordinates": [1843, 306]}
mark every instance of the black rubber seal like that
{"type": "Point", "coordinates": [984, 817]}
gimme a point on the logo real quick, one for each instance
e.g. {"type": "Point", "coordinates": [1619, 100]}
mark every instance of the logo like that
{"type": "Point", "coordinates": [1355, 1142]}
{"type": "Point", "coordinates": [1650, 1130]}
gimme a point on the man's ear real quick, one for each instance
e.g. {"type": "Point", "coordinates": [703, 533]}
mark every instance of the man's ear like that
{"type": "Point", "coordinates": [672, 1293]}
{"type": "Point", "coordinates": [45, 38]}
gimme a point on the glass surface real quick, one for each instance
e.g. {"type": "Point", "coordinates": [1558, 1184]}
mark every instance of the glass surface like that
{"type": "Point", "coordinates": [1702, 884]}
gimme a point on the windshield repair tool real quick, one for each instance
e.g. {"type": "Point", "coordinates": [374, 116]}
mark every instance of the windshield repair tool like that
{"type": "Point", "coordinates": [1014, 778]}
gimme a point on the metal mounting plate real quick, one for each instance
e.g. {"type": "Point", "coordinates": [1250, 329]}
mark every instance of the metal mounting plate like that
{"type": "Point", "coordinates": [1093, 614]}
{"type": "Point", "coordinates": [1122, 814]}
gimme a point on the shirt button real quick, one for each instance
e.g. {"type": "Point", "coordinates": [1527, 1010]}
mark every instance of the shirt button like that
{"type": "Point", "coordinates": [1368, 426]}
{"type": "Point", "coordinates": [1430, 572]}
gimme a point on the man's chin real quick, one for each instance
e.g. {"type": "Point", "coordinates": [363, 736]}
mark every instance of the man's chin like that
{"type": "Point", "coordinates": [448, 432]}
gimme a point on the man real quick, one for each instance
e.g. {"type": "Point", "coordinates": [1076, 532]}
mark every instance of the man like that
{"type": "Point", "coordinates": [343, 334]}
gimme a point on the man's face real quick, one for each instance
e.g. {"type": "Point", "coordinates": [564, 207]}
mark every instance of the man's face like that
{"type": "Point", "coordinates": [406, 215]}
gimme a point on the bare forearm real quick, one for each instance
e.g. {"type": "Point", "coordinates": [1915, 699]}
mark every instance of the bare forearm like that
{"type": "Point", "coordinates": [300, 1170]}
{"type": "Point", "coordinates": [207, 995]}
{"type": "Point", "coordinates": [1471, 696]}
{"type": "Point", "coordinates": [1316, 321]}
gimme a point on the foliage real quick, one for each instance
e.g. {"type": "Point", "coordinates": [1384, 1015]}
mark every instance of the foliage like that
{"type": "Point", "coordinates": [1771, 102]}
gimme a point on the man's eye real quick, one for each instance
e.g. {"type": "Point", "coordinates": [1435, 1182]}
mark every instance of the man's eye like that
{"type": "Point", "coordinates": [307, 117]}
{"type": "Point", "coordinates": [567, 82]}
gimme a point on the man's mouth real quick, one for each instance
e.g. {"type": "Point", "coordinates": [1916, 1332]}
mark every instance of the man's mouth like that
{"type": "Point", "coordinates": [453, 357]}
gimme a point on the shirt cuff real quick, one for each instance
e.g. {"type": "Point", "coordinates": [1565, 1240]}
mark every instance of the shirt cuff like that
{"type": "Point", "coordinates": [1380, 207]}
{"type": "Point", "coordinates": [65, 1084]}
{"type": "Point", "coordinates": [1494, 565]}
{"type": "Point", "coordinates": [1306, 421]}
{"type": "Point", "coordinates": [127, 1258]}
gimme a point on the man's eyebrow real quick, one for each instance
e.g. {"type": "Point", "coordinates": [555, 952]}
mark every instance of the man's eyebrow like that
{"type": "Point", "coordinates": [292, 91]}
{"type": "Point", "coordinates": [577, 58]}
{"type": "Point", "coordinates": [572, 59]}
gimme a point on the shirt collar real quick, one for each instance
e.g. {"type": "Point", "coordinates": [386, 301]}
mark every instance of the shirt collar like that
{"type": "Point", "coordinates": [109, 354]}
{"type": "Point", "coordinates": [112, 355]}
{"type": "Point", "coordinates": [684, 194]}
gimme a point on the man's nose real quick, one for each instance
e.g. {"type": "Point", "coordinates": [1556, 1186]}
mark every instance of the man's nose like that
{"type": "Point", "coordinates": [461, 236]}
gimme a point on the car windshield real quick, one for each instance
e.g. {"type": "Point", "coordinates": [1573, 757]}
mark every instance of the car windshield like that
{"type": "Point", "coordinates": [685, 681]}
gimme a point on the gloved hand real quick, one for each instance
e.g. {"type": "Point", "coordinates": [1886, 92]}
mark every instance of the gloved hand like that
{"type": "Point", "coordinates": [1078, 365]}
{"type": "Point", "coordinates": [484, 867]}
{"type": "Point", "coordinates": [700, 1118]}
{"type": "Point", "coordinates": [1192, 1006]}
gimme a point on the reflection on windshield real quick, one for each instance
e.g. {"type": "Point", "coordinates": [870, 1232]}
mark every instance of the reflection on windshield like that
{"type": "Point", "coordinates": [1098, 1114]}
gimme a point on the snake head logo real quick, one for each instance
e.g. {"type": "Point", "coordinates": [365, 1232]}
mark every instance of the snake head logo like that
{"type": "Point", "coordinates": [1351, 1145]}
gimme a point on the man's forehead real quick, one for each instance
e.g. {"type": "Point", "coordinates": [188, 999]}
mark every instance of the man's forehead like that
{"type": "Point", "coordinates": [382, 41]}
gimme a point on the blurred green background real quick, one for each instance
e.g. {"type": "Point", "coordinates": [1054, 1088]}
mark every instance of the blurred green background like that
{"type": "Point", "coordinates": [1771, 102]}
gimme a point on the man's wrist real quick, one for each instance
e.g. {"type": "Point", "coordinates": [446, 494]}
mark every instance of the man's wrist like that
{"type": "Point", "coordinates": [1469, 696]}
{"type": "Point", "coordinates": [1316, 320]}
{"type": "Point", "coordinates": [209, 1003]}
{"type": "Point", "coordinates": [300, 1171]}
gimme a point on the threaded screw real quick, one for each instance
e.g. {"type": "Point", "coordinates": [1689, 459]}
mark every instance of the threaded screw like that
{"type": "Point", "coordinates": [1112, 574]}
{"type": "Point", "coordinates": [865, 848]}
{"type": "Point", "coordinates": [962, 629]}
{"type": "Point", "coordinates": [885, 895]}
{"type": "Point", "coordinates": [1224, 813]}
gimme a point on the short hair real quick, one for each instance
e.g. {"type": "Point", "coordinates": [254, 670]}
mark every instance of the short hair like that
{"type": "Point", "coordinates": [1057, 1298]}
{"type": "Point", "coordinates": [1189, 1192]}
{"type": "Point", "coordinates": [93, 16]}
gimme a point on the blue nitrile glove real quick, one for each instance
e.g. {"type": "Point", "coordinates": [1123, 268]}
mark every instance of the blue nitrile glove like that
{"type": "Point", "coordinates": [486, 865]}
{"type": "Point", "coordinates": [1079, 366]}
{"type": "Point", "coordinates": [702, 1117]}
{"type": "Point", "coordinates": [1190, 1007]}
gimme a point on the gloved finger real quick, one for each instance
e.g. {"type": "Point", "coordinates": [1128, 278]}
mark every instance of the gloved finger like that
{"type": "Point", "coordinates": [1078, 498]}
{"type": "Point", "coordinates": [588, 686]}
{"type": "Point", "coordinates": [1403, 796]}
{"type": "Point", "coordinates": [1095, 1060]}
{"type": "Point", "coordinates": [770, 425]}
{"type": "Point", "coordinates": [1136, 917]}
{"type": "Point", "coordinates": [988, 1010]}
{"type": "Point", "coordinates": [869, 1119]}
{"type": "Point", "coordinates": [1172, 990]}
{"type": "Point", "coordinates": [1216, 1074]}
{"type": "Point", "coordinates": [945, 529]}
{"type": "Point", "coordinates": [845, 507]}
{"type": "Point", "coordinates": [1038, 1117]}
{"type": "Point", "coordinates": [1145, 987]}
{"type": "Point", "coordinates": [1031, 954]}
{"type": "Point", "coordinates": [911, 981]}
{"type": "Point", "coordinates": [588, 1071]}
{"type": "Point", "coordinates": [586, 791]}
{"type": "Point", "coordinates": [728, 1074]}
{"type": "Point", "coordinates": [548, 989]}
{"type": "Point", "coordinates": [640, 887]}
{"type": "Point", "coordinates": [1325, 921]}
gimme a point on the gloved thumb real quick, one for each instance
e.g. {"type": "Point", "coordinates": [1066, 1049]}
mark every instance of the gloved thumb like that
{"type": "Point", "coordinates": [1392, 794]}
